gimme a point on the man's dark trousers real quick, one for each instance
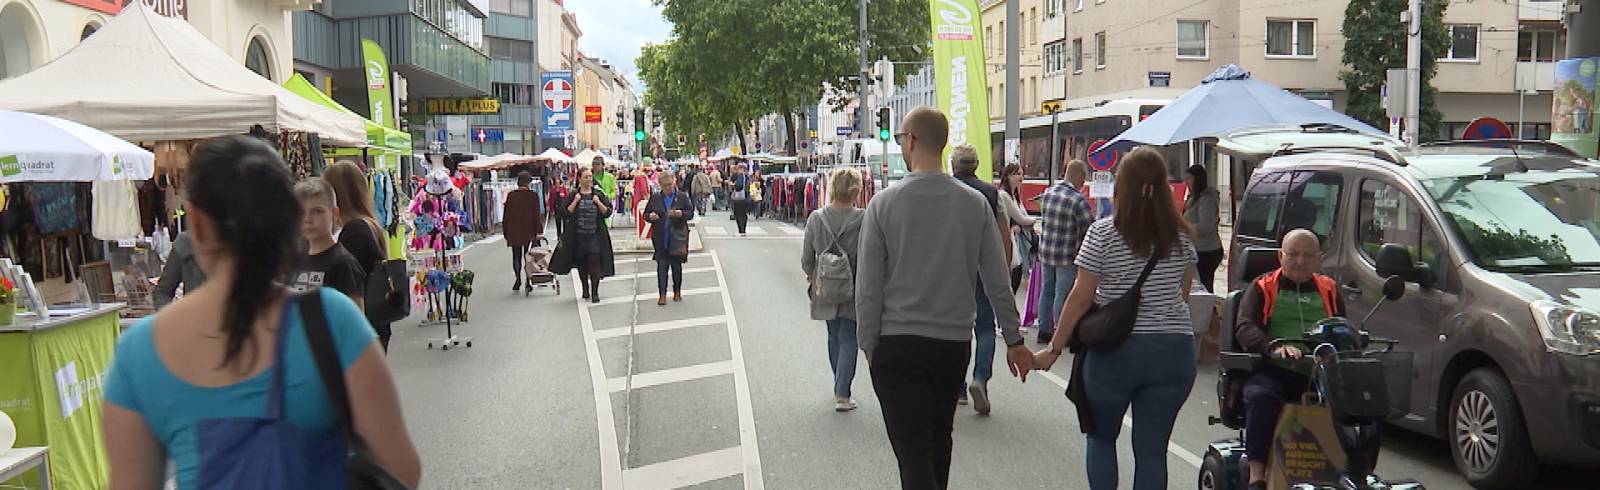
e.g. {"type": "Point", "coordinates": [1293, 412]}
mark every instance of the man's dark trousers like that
{"type": "Point", "coordinates": [918, 380]}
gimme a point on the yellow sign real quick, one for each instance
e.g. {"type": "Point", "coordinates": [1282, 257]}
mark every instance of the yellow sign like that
{"type": "Point", "coordinates": [1050, 106]}
{"type": "Point", "coordinates": [459, 105]}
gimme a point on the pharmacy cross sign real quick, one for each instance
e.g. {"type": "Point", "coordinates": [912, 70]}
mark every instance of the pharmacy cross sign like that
{"type": "Point", "coordinates": [557, 95]}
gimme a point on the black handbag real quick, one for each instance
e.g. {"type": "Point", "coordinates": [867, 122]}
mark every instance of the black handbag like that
{"type": "Point", "coordinates": [1105, 328]}
{"type": "Point", "coordinates": [365, 473]}
{"type": "Point", "coordinates": [387, 296]}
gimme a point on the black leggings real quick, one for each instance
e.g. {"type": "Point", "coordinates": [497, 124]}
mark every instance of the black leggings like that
{"type": "Point", "coordinates": [518, 253]}
{"type": "Point", "coordinates": [1208, 262]}
{"type": "Point", "coordinates": [1016, 278]}
{"type": "Point", "coordinates": [589, 273]}
{"type": "Point", "coordinates": [741, 214]}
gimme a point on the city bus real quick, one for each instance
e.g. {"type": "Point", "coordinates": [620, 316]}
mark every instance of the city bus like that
{"type": "Point", "coordinates": [1077, 129]}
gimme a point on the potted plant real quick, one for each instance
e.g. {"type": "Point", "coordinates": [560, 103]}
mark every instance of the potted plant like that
{"type": "Point", "coordinates": [8, 301]}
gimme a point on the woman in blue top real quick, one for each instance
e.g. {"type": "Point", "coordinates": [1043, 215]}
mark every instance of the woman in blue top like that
{"type": "Point", "coordinates": [209, 354]}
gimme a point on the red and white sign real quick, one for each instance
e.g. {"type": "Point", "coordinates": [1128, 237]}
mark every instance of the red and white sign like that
{"type": "Point", "coordinates": [591, 114]}
{"type": "Point", "coordinates": [558, 95]}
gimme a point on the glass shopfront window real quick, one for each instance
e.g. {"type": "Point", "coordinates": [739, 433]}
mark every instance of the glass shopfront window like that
{"type": "Point", "coordinates": [452, 17]}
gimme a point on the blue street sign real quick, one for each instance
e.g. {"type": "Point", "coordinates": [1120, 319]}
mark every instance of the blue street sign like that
{"type": "Point", "coordinates": [844, 131]}
{"type": "Point", "coordinates": [557, 95]}
{"type": "Point", "coordinates": [483, 135]}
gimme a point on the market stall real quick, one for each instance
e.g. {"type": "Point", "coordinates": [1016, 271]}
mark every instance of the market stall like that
{"type": "Point", "coordinates": [54, 355]}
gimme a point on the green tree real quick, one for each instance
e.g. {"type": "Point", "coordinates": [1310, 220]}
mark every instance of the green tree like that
{"type": "Point", "coordinates": [1375, 41]}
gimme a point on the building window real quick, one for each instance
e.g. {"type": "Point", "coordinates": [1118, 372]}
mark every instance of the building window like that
{"type": "Point", "coordinates": [1077, 55]}
{"type": "Point", "coordinates": [509, 49]}
{"type": "Point", "coordinates": [1538, 45]}
{"type": "Point", "coordinates": [513, 93]}
{"type": "Point", "coordinates": [1079, 8]}
{"type": "Point", "coordinates": [1099, 50]}
{"type": "Point", "coordinates": [1055, 57]}
{"type": "Point", "coordinates": [520, 8]}
{"type": "Point", "coordinates": [88, 30]}
{"type": "Point", "coordinates": [1292, 38]}
{"type": "Point", "coordinates": [1052, 8]}
{"type": "Point", "coordinates": [1192, 41]}
{"type": "Point", "coordinates": [256, 59]}
{"type": "Point", "coordinates": [1463, 42]}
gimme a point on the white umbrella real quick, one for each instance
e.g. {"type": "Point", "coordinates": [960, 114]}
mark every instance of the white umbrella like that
{"type": "Point", "coordinates": [35, 148]}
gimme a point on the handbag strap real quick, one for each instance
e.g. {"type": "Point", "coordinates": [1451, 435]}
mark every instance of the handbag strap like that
{"type": "Point", "coordinates": [315, 320]}
{"type": "Point", "coordinates": [1148, 267]}
{"type": "Point", "coordinates": [832, 238]}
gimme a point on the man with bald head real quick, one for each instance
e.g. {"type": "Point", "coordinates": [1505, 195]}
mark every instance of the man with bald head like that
{"type": "Point", "coordinates": [925, 244]}
{"type": "Point", "coordinates": [1273, 316]}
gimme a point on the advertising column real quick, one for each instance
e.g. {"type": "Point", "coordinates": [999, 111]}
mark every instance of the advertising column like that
{"type": "Point", "coordinates": [961, 85]}
{"type": "Point", "coordinates": [1572, 118]}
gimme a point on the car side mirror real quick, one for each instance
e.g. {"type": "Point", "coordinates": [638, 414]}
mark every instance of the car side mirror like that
{"type": "Point", "coordinates": [1394, 260]}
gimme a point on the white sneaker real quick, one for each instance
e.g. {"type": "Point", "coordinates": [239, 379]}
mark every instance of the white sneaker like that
{"type": "Point", "coordinates": [843, 404]}
{"type": "Point", "coordinates": [980, 397]}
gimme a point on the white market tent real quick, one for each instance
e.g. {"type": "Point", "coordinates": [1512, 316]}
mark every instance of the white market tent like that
{"type": "Point", "coordinates": [587, 156]}
{"type": "Point", "coordinates": [503, 160]}
{"type": "Point", "coordinates": [145, 77]}
{"type": "Point", "coordinates": [554, 155]}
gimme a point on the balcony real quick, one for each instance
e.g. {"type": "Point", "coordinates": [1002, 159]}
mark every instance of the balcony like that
{"type": "Point", "coordinates": [1539, 9]}
{"type": "Point", "coordinates": [1536, 75]}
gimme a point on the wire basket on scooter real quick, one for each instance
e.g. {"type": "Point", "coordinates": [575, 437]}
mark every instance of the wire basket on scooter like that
{"type": "Point", "coordinates": [1397, 375]}
{"type": "Point", "coordinates": [1369, 386]}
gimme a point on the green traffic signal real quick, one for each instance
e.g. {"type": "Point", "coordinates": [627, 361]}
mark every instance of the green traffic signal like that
{"type": "Point", "coordinates": [638, 135]}
{"type": "Point", "coordinates": [883, 134]}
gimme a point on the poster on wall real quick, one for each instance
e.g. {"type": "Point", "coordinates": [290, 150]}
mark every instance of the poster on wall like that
{"type": "Point", "coordinates": [1573, 110]}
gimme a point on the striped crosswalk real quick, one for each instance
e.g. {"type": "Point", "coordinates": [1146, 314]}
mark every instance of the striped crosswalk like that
{"type": "Point", "coordinates": [754, 230]}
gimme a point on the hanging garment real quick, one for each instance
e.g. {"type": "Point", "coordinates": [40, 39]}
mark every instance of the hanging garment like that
{"type": "Point", "coordinates": [116, 210]}
{"type": "Point", "coordinates": [1035, 289]}
{"type": "Point", "coordinates": [55, 207]}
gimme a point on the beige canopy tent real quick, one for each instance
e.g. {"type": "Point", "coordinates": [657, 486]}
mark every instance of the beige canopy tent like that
{"type": "Point", "coordinates": [144, 77]}
{"type": "Point", "coordinates": [554, 155]}
{"type": "Point", "coordinates": [587, 156]}
{"type": "Point", "coordinates": [497, 162]}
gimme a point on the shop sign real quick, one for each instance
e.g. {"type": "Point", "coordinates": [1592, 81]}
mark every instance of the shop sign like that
{"type": "Point", "coordinates": [459, 105]}
{"type": "Point", "coordinates": [1161, 79]}
{"type": "Point", "coordinates": [167, 8]}
{"type": "Point", "coordinates": [591, 114]}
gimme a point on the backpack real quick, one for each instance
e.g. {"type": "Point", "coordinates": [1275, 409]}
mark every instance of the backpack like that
{"type": "Point", "coordinates": [833, 281]}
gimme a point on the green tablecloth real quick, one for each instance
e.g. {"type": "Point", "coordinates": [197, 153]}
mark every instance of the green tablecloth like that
{"type": "Point", "coordinates": [54, 373]}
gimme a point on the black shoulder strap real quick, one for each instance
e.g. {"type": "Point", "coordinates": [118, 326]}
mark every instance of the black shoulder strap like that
{"type": "Point", "coordinates": [315, 320]}
{"type": "Point", "coordinates": [1149, 265]}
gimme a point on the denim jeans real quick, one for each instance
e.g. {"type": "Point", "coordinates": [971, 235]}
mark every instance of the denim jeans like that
{"type": "Point", "coordinates": [1153, 373]}
{"type": "Point", "coordinates": [842, 354]}
{"type": "Point", "coordinates": [1058, 281]}
{"type": "Point", "coordinates": [675, 268]}
{"type": "Point", "coordinates": [983, 339]}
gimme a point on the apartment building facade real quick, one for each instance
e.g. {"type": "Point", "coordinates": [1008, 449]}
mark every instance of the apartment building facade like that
{"type": "Point", "coordinates": [1031, 54]}
{"type": "Point", "coordinates": [1500, 64]}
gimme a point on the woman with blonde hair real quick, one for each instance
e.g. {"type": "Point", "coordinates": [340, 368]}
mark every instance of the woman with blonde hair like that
{"type": "Point", "coordinates": [836, 229]}
{"type": "Point", "coordinates": [1145, 240]}
{"type": "Point", "coordinates": [359, 231]}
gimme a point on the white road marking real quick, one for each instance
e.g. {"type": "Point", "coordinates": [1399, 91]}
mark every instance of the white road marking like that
{"type": "Point", "coordinates": [652, 274]}
{"type": "Point", "coordinates": [755, 231]}
{"type": "Point", "coordinates": [753, 477]}
{"type": "Point", "coordinates": [692, 470]}
{"type": "Point", "coordinates": [660, 326]}
{"type": "Point", "coordinates": [666, 376]}
{"type": "Point", "coordinates": [781, 237]}
{"type": "Point", "coordinates": [792, 230]}
{"type": "Point", "coordinates": [716, 231]}
{"type": "Point", "coordinates": [1127, 421]}
{"type": "Point", "coordinates": [605, 424]}
{"type": "Point", "coordinates": [652, 297]}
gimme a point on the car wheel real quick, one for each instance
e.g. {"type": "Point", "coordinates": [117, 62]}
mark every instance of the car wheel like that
{"type": "Point", "coordinates": [1488, 438]}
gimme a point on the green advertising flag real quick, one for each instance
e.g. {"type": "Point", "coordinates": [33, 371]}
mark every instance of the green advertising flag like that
{"type": "Point", "coordinates": [377, 74]}
{"type": "Point", "coordinates": [960, 82]}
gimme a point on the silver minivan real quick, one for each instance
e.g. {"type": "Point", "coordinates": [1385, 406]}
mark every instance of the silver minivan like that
{"type": "Point", "coordinates": [1502, 308]}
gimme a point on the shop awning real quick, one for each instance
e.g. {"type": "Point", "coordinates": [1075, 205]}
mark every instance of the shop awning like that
{"type": "Point", "coordinates": [378, 137]}
{"type": "Point", "coordinates": [144, 77]}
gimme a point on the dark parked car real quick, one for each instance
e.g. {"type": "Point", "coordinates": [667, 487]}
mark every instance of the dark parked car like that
{"type": "Point", "coordinates": [1502, 308]}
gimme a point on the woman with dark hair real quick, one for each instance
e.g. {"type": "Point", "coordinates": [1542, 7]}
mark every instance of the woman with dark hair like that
{"type": "Point", "coordinates": [1024, 240]}
{"type": "Point", "coordinates": [739, 194]}
{"type": "Point", "coordinates": [360, 233]}
{"type": "Point", "coordinates": [524, 224]}
{"type": "Point", "coordinates": [222, 351]}
{"type": "Point", "coordinates": [1154, 369]}
{"type": "Point", "coordinates": [1200, 209]}
{"type": "Point", "coordinates": [585, 240]}
{"type": "Point", "coordinates": [669, 211]}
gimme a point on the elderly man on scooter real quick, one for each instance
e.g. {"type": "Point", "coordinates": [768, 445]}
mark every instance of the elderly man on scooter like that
{"type": "Point", "coordinates": [1275, 312]}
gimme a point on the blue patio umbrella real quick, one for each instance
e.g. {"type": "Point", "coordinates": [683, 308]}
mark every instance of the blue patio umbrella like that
{"type": "Point", "coordinates": [1227, 100]}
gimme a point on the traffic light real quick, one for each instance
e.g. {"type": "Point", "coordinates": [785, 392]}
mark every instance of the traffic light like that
{"type": "Point", "coordinates": [884, 114]}
{"type": "Point", "coordinates": [638, 124]}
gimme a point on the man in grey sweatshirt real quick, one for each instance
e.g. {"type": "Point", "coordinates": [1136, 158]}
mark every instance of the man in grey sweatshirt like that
{"type": "Point", "coordinates": [925, 243]}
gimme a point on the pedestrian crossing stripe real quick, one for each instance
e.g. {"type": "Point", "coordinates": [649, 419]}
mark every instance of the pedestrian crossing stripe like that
{"type": "Point", "coordinates": [716, 231]}
{"type": "Point", "coordinates": [755, 230]}
{"type": "Point", "coordinates": [792, 230]}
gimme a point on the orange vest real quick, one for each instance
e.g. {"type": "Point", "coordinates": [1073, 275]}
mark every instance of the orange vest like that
{"type": "Point", "coordinates": [1269, 293]}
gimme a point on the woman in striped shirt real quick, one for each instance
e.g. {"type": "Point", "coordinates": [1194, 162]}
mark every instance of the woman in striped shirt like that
{"type": "Point", "coordinates": [1155, 368]}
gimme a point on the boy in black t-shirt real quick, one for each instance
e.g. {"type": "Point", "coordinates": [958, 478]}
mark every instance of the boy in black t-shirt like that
{"type": "Point", "coordinates": [328, 263]}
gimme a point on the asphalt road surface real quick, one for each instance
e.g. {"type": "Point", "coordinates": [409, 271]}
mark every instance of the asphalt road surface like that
{"type": "Point", "coordinates": [729, 389]}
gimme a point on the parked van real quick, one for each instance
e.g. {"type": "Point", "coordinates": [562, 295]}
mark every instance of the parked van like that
{"type": "Point", "coordinates": [1502, 308]}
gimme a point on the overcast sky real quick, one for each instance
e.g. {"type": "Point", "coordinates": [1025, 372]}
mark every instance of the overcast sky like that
{"type": "Point", "coordinates": [614, 30]}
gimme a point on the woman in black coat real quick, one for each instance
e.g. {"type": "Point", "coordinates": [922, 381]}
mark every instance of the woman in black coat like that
{"type": "Point", "coordinates": [669, 212]}
{"type": "Point", "coordinates": [585, 240]}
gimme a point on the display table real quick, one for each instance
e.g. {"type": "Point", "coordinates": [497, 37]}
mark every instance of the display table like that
{"type": "Point", "coordinates": [55, 371]}
{"type": "Point", "coordinates": [17, 461]}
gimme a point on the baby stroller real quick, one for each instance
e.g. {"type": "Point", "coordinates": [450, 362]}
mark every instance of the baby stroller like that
{"type": "Point", "coordinates": [536, 267]}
